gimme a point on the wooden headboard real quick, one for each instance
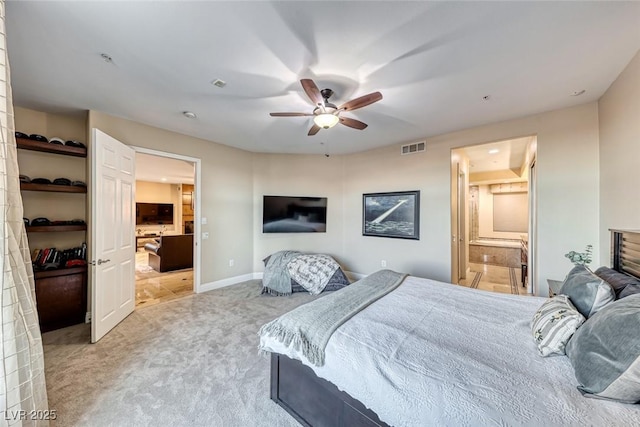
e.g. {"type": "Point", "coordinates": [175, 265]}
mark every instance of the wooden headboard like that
{"type": "Point", "coordinates": [625, 251]}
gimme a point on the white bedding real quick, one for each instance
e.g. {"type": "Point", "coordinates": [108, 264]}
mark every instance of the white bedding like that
{"type": "Point", "coordinates": [432, 353]}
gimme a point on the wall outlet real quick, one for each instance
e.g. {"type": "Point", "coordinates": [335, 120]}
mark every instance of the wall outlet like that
{"type": "Point", "coordinates": [383, 263]}
{"type": "Point", "coordinates": [231, 263]}
{"type": "Point", "coordinates": [205, 235]}
{"type": "Point", "coordinates": [87, 317]}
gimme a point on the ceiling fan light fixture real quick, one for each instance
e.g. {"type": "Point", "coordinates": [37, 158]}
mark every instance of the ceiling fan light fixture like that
{"type": "Point", "coordinates": [326, 120]}
{"type": "Point", "coordinates": [326, 114]}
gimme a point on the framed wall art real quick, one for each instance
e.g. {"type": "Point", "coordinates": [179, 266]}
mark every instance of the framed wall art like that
{"type": "Point", "coordinates": [394, 214]}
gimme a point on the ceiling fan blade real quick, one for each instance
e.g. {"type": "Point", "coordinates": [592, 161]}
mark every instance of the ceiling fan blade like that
{"type": "Point", "coordinates": [353, 123]}
{"type": "Point", "coordinates": [363, 101]}
{"type": "Point", "coordinates": [289, 114]}
{"type": "Point", "coordinates": [312, 91]}
{"type": "Point", "coordinates": [314, 129]}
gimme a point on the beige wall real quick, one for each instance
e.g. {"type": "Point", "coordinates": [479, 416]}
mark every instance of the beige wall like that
{"type": "Point", "coordinates": [158, 192]}
{"type": "Point", "coordinates": [226, 191]}
{"type": "Point", "coordinates": [619, 114]}
{"type": "Point", "coordinates": [51, 125]}
{"type": "Point", "coordinates": [567, 162]}
{"type": "Point", "coordinates": [54, 206]}
{"type": "Point", "coordinates": [234, 181]}
{"type": "Point", "coordinates": [383, 170]}
{"type": "Point", "coordinates": [485, 216]}
{"type": "Point", "coordinates": [298, 175]}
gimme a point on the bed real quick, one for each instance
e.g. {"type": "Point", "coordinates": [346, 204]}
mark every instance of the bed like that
{"type": "Point", "coordinates": [479, 365]}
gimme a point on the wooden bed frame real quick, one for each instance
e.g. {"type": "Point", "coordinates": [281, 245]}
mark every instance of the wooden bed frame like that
{"type": "Point", "coordinates": [315, 402]}
{"type": "Point", "coordinates": [625, 251]}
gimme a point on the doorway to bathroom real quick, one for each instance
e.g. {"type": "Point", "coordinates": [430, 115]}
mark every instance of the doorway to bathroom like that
{"type": "Point", "coordinates": [492, 208]}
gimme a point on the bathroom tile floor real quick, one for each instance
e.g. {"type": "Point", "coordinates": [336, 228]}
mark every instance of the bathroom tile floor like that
{"type": "Point", "coordinates": [153, 287]}
{"type": "Point", "coordinates": [494, 278]}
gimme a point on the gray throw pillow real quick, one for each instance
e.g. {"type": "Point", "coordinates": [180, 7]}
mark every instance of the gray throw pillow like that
{"type": "Point", "coordinates": [618, 281]}
{"type": "Point", "coordinates": [587, 292]}
{"type": "Point", "coordinates": [630, 289]}
{"type": "Point", "coordinates": [605, 352]}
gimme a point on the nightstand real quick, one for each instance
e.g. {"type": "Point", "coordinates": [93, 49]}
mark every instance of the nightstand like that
{"type": "Point", "coordinates": [554, 287]}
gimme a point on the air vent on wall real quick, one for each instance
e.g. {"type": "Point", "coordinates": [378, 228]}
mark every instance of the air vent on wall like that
{"type": "Point", "coordinates": [416, 147]}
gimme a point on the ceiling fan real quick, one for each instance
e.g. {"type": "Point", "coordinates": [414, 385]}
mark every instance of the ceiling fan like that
{"type": "Point", "coordinates": [325, 114]}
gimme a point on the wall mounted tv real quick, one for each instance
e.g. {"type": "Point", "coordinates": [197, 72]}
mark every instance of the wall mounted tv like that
{"type": "Point", "coordinates": [154, 213]}
{"type": "Point", "coordinates": [282, 214]}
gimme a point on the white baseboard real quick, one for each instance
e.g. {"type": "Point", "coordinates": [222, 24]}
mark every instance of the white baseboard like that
{"type": "Point", "coordinates": [227, 282]}
{"type": "Point", "coordinates": [353, 276]}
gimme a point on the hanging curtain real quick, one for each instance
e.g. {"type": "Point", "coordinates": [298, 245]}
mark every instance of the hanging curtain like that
{"type": "Point", "coordinates": [23, 393]}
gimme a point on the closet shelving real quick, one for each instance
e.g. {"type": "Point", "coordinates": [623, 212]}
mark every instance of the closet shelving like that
{"type": "Point", "coordinates": [61, 294]}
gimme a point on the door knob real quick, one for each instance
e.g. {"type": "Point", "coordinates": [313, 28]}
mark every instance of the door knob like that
{"type": "Point", "coordinates": [100, 261]}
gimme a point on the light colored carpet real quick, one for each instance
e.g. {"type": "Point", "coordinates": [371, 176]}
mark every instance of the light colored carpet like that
{"type": "Point", "coordinates": [189, 362]}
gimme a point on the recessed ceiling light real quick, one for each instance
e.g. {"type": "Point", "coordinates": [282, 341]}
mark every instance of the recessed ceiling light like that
{"type": "Point", "coordinates": [219, 83]}
{"type": "Point", "coordinates": [578, 92]}
{"type": "Point", "coordinates": [494, 151]}
{"type": "Point", "coordinates": [163, 179]}
{"type": "Point", "coordinates": [189, 114]}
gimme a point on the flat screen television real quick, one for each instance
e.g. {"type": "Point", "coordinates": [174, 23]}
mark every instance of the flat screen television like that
{"type": "Point", "coordinates": [154, 213]}
{"type": "Point", "coordinates": [283, 214]}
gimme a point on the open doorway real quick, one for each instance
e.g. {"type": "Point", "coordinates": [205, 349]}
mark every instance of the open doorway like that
{"type": "Point", "coordinates": [492, 207]}
{"type": "Point", "coordinates": [165, 198]}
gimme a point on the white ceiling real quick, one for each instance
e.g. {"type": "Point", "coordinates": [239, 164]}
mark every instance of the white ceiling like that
{"type": "Point", "coordinates": [432, 61]}
{"type": "Point", "coordinates": [497, 156]}
{"type": "Point", "coordinates": [163, 169]}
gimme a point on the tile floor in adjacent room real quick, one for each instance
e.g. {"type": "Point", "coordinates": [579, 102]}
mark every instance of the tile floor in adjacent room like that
{"type": "Point", "coordinates": [495, 279]}
{"type": "Point", "coordinates": [153, 287]}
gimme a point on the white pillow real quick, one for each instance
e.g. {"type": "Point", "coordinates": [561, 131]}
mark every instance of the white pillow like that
{"type": "Point", "coordinates": [553, 325]}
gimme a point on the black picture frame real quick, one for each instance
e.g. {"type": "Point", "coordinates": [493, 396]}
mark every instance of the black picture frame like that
{"type": "Point", "coordinates": [395, 214]}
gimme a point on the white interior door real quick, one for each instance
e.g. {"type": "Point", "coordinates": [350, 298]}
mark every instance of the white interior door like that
{"type": "Point", "coordinates": [112, 231]}
{"type": "Point", "coordinates": [532, 276]}
{"type": "Point", "coordinates": [462, 224]}
{"type": "Point", "coordinates": [455, 253]}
